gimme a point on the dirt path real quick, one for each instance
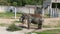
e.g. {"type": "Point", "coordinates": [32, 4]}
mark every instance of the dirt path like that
{"type": "Point", "coordinates": [24, 31]}
{"type": "Point", "coordinates": [7, 21]}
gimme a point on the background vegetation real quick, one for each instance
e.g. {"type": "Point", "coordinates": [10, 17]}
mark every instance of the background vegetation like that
{"type": "Point", "coordinates": [20, 2]}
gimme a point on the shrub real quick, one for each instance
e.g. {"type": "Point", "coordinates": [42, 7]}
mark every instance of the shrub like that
{"type": "Point", "coordinates": [13, 27]}
{"type": "Point", "coordinates": [47, 15]}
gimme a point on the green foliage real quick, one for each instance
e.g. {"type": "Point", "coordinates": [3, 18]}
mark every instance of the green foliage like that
{"type": "Point", "coordinates": [34, 2]}
{"type": "Point", "coordinates": [14, 3]}
{"type": "Point", "coordinates": [8, 15]}
{"type": "Point", "coordinates": [3, 2]}
{"type": "Point", "coordinates": [20, 2]}
{"type": "Point", "coordinates": [13, 27]}
{"type": "Point", "coordinates": [55, 31]}
{"type": "Point", "coordinates": [46, 15]}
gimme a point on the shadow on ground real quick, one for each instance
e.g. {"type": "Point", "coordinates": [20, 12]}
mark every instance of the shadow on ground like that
{"type": "Point", "coordinates": [36, 28]}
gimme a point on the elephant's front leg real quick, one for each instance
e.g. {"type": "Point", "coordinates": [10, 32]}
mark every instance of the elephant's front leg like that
{"type": "Point", "coordinates": [29, 22]}
{"type": "Point", "coordinates": [40, 24]}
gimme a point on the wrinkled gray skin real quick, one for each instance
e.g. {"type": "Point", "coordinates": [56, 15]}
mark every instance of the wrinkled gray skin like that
{"type": "Point", "coordinates": [32, 20]}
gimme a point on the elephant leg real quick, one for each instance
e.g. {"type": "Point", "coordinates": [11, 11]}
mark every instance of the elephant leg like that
{"type": "Point", "coordinates": [29, 22]}
{"type": "Point", "coordinates": [40, 24]}
{"type": "Point", "coordinates": [22, 21]}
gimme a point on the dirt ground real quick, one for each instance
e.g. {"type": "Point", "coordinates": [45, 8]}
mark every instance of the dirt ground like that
{"type": "Point", "coordinates": [7, 21]}
{"type": "Point", "coordinates": [47, 21]}
{"type": "Point", "coordinates": [24, 31]}
{"type": "Point", "coordinates": [51, 21]}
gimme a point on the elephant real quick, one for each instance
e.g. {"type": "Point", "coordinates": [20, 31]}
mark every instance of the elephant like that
{"type": "Point", "coordinates": [32, 18]}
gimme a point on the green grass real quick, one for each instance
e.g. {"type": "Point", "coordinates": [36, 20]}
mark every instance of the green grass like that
{"type": "Point", "coordinates": [3, 24]}
{"type": "Point", "coordinates": [55, 31]}
{"type": "Point", "coordinates": [16, 21]}
{"type": "Point", "coordinates": [46, 16]}
{"type": "Point", "coordinates": [49, 26]}
{"type": "Point", "coordinates": [13, 27]}
{"type": "Point", "coordinates": [8, 15]}
{"type": "Point", "coordinates": [46, 26]}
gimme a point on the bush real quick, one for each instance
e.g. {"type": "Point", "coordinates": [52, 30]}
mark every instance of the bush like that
{"type": "Point", "coordinates": [47, 16]}
{"type": "Point", "coordinates": [13, 27]}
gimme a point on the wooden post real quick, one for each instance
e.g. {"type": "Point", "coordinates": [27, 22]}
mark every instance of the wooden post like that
{"type": "Point", "coordinates": [56, 9]}
{"type": "Point", "coordinates": [28, 10]}
{"type": "Point", "coordinates": [15, 12]}
{"type": "Point", "coordinates": [43, 12]}
{"type": "Point", "coordinates": [51, 9]}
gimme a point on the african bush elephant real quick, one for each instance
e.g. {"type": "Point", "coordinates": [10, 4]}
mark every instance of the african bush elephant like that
{"type": "Point", "coordinates": [32, 19]}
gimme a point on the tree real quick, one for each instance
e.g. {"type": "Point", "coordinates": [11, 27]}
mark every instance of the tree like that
{"type": "Point", "coordinates": [3, 2]}
{"type": "Point", "coordinates": [20, 2]}
{"type": "Point", "coordinates": [14, 3]}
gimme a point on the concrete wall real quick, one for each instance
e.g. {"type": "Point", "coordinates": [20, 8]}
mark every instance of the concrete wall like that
{"type": "Point", "coordinates": [25, 10]}
{"type": "Point", "coordinates": [18, 9]}
{"type": "Point", "coordinates": [4, 8]}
